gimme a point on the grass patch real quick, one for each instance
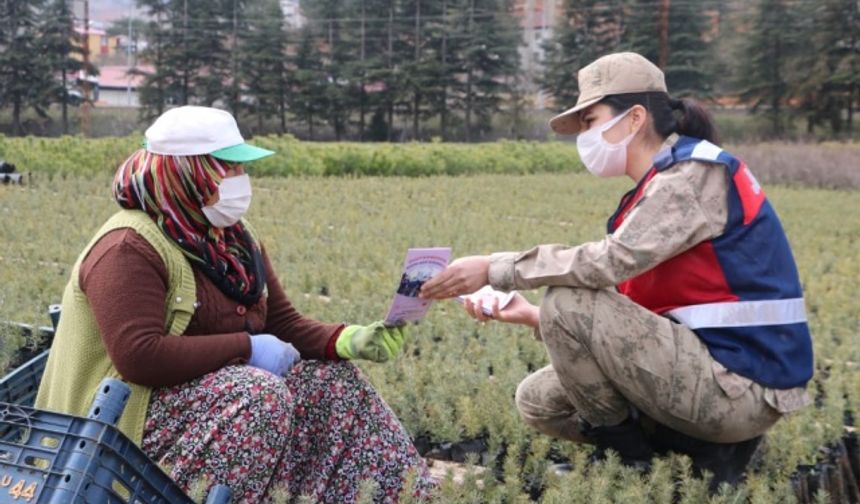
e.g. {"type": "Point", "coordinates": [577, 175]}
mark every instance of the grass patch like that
{"type": "Point", "coordinates": [456, 378]}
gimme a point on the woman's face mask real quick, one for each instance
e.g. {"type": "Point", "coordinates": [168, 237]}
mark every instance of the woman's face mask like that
{"type": "Point", "coordinates": [234, 198]}
{"type": "Point", "coordinates": [602, 158]}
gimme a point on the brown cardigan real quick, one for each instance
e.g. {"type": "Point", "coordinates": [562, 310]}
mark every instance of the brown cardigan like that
{"type": "Point", "coordinates": [125, 282]}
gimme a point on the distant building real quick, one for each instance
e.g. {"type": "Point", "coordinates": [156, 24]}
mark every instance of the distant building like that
{"type": "Point", "coordinates": [101, 45]}
{"type": "Point", "coordinates": [117, 87]}
{"type": "Point", "coordinates": [293, 13]}
{"type": "Point", "coordinates": [537, 19]}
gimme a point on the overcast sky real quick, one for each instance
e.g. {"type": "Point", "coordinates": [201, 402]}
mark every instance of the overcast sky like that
{"type": "Point", "coordinates": [104, 10]}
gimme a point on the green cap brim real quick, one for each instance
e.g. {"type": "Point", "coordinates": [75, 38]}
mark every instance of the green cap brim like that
{"type": "Point", "coordinates": [241, 153]}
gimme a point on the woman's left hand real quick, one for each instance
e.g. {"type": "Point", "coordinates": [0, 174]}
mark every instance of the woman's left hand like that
{"type": "Point", "coordinates": [463, 276]}
{"type": "Point", "coordinates": [518, 311]}
{"type": "Point", "coordinates": [270, 353]}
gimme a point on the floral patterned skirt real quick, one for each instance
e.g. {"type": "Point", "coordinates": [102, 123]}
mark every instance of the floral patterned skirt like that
{"type": "Point", "coordinates": [322, 432]}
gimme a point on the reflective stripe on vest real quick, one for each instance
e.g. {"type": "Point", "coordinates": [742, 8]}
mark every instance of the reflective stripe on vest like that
{"type": "Point", "coordinates": [741, 313]}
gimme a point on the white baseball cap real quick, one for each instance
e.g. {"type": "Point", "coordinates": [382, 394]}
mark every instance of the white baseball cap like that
{"type": "Point", "coordinates": [192, 131]}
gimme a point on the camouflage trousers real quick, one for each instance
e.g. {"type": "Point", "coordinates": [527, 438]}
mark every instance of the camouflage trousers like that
{"type": "Point", "coordinates": [609, 353]}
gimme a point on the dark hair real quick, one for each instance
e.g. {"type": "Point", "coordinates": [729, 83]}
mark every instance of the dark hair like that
{"type": "Point", "coordinates": [692, 119]}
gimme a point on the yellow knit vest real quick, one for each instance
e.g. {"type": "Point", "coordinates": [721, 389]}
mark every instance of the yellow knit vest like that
{"type": "Point", "coordinates": [79, 361]}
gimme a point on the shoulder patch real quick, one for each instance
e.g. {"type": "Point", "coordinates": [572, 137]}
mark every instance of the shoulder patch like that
{"type": "Point", "coordinates": [706, 151]}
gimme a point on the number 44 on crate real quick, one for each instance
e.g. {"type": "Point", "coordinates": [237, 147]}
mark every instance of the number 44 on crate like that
{"type": "Point", "coordinates": [18, 489]}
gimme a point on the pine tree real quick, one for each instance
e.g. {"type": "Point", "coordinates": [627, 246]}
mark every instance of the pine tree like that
{"type": "Point", "coordinates": [807, 86]}
{"type": "Point", "coordinates": [835, 62]}
{"type": "Point", "coordinates": [769, 47]}
{"type": "Point", "coordinates": [641, 32]}
{"type": "Point", "coordinates": [723, 44]}
{"type": "Point", "coordinates": [161, 86]}
{"type": "Point", "coordinates": [414, 59]}
{"type": "Point", "coordinates": [689, 69]}
{"type": "Point", "coordinates": [422, 59]}
{"type": "Point", "coordinates": [59, 50]}
{"type": "Point", "coordinates": [690, 66]}
{"type": "Point", "coordinates": [367, 69]}
{"type": "Point", "coordinates": [25, 74]}
{"type": "Point", "coordinates": [333, 27]}
{"type": "Point", "coordinates": [448, 36]}
{"type": "Point", "coordinates": [263, 52]}
{"type": "Point", "coordinates": [393, 75]}
{"type": "Point", "coordinates": [587, 30]}
{"type": "Point", "coordinates": [180, 51]}
{"type": "Point", "coordinates": [445, 79]}
{"type": "Point", "coordinates": [186, 45]}
{"type": "Point", "coordinates": [488, 57]}
{"type": "Point", "coordinates": [208, 60]}
{"type": "Point", "coordinates": [221, 74]}
{"type": "Point", "coordinates": [306, 81]}
{"type": "Point", "coordinates": [414, 69]}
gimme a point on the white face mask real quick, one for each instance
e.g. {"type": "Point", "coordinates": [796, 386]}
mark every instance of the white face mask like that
{"type": "Point", "coordinates": [234, 198]}
{"type": "Point", "coordinates": [602, 158]}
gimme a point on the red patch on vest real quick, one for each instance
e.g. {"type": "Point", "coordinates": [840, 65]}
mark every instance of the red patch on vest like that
{"type": "Point", "coordinates": [750, 192]}
{"type": "Point", "coordinates": [692, 277]}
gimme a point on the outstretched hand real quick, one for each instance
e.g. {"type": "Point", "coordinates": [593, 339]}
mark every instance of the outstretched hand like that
{"type": "Point", "coordinates": [518, 311]}
{"type": "Point", "coordinates": [375, 342]}
{"type": "Point", "coordinates": [463, 276]}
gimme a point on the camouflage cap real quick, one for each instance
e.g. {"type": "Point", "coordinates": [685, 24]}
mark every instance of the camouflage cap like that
{"type": "Point", "coordinates": [618, 73]}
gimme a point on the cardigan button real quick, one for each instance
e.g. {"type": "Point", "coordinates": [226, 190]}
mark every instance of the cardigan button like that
{"type": "Point", "coordinates": [241, 310]}
{"type": "Point", "coordinates": [178, 299]}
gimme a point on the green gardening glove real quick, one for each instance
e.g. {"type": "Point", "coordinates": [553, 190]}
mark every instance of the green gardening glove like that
{"type": "Point", "coordinates": [374, 342]}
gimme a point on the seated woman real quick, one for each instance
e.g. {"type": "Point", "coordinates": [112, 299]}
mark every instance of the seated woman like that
{"type": "Point", "coordinates": [230, 384]}
{"type": "Point", "coordinates": [689, 313]}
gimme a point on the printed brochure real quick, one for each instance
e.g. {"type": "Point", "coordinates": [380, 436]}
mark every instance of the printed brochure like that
{"type": "Point", "coordinates": [421, 264]}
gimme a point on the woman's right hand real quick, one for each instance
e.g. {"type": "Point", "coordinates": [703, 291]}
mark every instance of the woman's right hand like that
{"type": "Point", "coordinates": [272, 354]}
{"type": "Point", "coordinates": [518, 311]}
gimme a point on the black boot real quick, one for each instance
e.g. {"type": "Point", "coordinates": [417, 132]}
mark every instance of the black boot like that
{"type": "Point", "coordinates": [626, 438]}
{"type": "Point", "coordinates": [727, 462]}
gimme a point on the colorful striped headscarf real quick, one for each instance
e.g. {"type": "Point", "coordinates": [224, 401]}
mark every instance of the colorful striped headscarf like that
{"type": "Point", "coordinates": [172, 190]}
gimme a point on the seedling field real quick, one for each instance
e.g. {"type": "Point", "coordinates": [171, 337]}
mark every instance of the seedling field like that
{"type": "Point", "coordinates": [337, 244]}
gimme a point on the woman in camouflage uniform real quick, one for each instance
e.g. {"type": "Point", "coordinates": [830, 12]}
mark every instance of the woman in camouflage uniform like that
{"type": "Point", "coordinates": [684, 327]}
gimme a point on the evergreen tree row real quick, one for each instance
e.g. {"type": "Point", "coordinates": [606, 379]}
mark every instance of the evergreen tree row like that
{"type": "Point", "coordinates": [37, 57]}
{"type": "Point", "coordinates": [365, 69]}
{"type": "Point", "coordinates": [416, 69]}
{"type": "Point", "coordinates": [803, 59]}
{"type": "Point", "coordinates": [782, 58]}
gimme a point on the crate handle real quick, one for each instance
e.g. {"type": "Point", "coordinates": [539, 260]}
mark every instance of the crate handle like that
{"type": "Point", "coordinates": [54, 312]}
{"type": "Point", "coordinates": [110, 401]}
